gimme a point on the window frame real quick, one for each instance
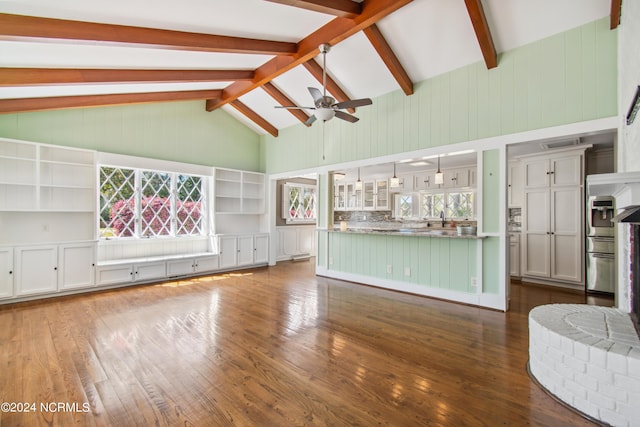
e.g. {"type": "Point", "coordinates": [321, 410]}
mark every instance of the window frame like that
{"type": "Point", "coordinates": [176, 225]}
{"type": "Point", "coordinates": [286, 204]}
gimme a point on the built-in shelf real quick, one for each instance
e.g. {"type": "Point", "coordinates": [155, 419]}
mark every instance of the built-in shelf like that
{"type": "Point", "coordinates": [239, 192]}
{"type": "Point", "coordinates": [41, 178]}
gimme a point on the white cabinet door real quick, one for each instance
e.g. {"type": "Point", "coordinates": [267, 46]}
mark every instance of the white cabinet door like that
{"type": "Point", "coordinates": [566, 234]}
{"type": "Point", "coordinates": [566, 171]}
{"type": "Point", "coordinates": [261, 249]}
{"type": "Point", "coordinates": [514, 259]}
{"type": "Point", "coordinates": [245, 250]}
{"type": "Point", "coordinates": [307, 241]}
{"type": "Point", "coordinates": [515, 185]}
{"type": "Point", "coordinates": [114, 274]}
{"type": "Point", "coordinates": [536, 233]}
{"type": "Point", "coordinates": [228, 251]}
{"type": "Point", "coordinates": [6, 272]}
{"type": "Point", "coordinates": [36, 270]}
{"type": "Point", "coordinates": [454, 178]}
{"type": "Point", "coordinates": [340, 197]}
{"type": "Point", "coordinates": [368, 195]}
{"type": "Point", "coordinates": [180, 267]}
{"type": "Point", "coordinates": [76, 266]}
{"type": "Point", "coordinates": [150, 270]}
{"type": "Point", "coordinates": [206, 263]}
{"type": "Point", "coordinates": [382, 194]}
{"type": "Point", "coordinates": [536, 173]}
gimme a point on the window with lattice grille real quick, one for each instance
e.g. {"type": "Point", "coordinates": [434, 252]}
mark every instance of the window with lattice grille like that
{"type": "Point", "coordinates": [143, 203]}
{"type": "Point", "coordinates": [299, 202]}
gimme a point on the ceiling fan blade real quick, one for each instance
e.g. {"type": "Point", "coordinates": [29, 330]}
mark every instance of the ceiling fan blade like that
{"type": "Point", "coordinates": [353, 103]}
{"type": "Point", "coordinates": [316, 95]}
{"type": "Point", "coordinates": [345, 116]}
{"type": "Point", "coordinates": [310, 120]}
{"type": "Point", "coordinates": [294, 107]}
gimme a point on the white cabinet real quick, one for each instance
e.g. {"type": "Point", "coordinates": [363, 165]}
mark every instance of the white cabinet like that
{"type": "Point", "coordinates": [6, 272]}
{"type": "Point", "coordinates": [514, 255]}
{"type": "Point", "coordinates": [188, 266]}
{"type": "Point", "coordinates": [243, 250]}
{"type": "Point", "coordinates": [76, 265]}
{"type": "Point", "coordinates": [118, 273]}
{"type": "Point", "coordinates": [340, 197]}
{"type": "Point", "coordinates": [353, 197]}
{"type": "Point", "coordinates": [246, 250]}
{"type": "Point", "coordinates": [261, 249]}
{"type": "Point", "coordinates": [515, 185]}
{"type": "Point", "coordinates": [36, 269]}
{"type": "Point", "coordinates": [454, 178]}
{"type": "Point", "coordinates": [375, 195]}
{"type": "Point", "coordinates": [553, 214]}
{"type": "Point", "coordinates": [425, 181]}
{"type": "Point", "coordinates": [239, 192]}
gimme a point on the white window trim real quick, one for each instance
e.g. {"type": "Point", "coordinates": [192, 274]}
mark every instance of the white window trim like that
{"type": "Point", "coordinates": [286, 215]}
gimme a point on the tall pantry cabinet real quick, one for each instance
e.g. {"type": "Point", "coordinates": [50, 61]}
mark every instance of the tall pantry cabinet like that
{"type": "Point", "coordinates": [553, 217]}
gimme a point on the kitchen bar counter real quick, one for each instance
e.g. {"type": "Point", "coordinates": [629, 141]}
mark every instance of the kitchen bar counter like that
{"type": "Point", "coordinates": [421, 232]}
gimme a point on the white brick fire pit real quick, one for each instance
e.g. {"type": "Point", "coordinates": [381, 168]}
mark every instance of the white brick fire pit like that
{"type": "Point", "coordinates": [589, 358]}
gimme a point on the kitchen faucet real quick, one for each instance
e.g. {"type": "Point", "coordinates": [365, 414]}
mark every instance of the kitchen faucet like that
{"type": "Point", "coordinates": [442, 217]}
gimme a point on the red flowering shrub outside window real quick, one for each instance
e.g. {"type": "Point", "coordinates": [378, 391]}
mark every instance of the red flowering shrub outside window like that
{"type": "Point", "coordinates": [139, 203]}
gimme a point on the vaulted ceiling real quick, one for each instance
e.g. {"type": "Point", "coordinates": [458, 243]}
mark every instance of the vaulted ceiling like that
{"type": "Point", "coordinates": [247, 56]}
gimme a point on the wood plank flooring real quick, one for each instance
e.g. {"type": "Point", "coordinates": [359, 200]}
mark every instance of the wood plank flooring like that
{"type": "Point", "coordinates": [272, 347]}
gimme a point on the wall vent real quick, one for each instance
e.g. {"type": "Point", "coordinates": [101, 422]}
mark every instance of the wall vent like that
{"type": "Point", "coordinates": [559, 144]}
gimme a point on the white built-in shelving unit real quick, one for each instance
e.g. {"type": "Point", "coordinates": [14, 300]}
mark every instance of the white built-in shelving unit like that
{"type": "Point", "coordinates": [239, 192]}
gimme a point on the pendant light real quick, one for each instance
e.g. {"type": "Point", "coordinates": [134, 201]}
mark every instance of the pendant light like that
{"type": "Point", "coordinates": [358, 182]}
{"type": "Point", "coordinates": [439, 178]}
{"type": "Point", "coordinates": [394, 182]}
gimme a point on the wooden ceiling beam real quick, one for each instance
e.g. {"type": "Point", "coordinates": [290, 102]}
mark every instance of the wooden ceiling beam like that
{"type": "Point", "coordinates": [316, 71]}
{"type": "Point", "coordinates": [56, 76]}
{"type": "Point", "coordinates": [333, 33]}
{"type": "Point", "coordinates": [255, 117]}
{"type": "Point", "coordinates": [31, 28]}
{"type": "Point", "coordinates": [341, 8]}
{"type": "Point", "coordinates": [483, 33]}
{"type": "Point", "coordinates": [616, 12]}
{"type": "Point", "coordinates": [389, 58]}
{"type": "Point", "coordinates": [83, 101]}
{"type": "Point", "coordinates": [284, 100]}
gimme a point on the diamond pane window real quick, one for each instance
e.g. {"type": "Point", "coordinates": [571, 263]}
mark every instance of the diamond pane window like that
{"type": "Point", "coordinates": [432, 205]}
{"type": "Point", "coordinates": [188, 205]}
{"type": "Point", "coordinates": [300, 205]}
{"type": "Point", "coordinates": [155, 208]}
{"type": "Point", "coordinates": [142, 203]}
{"type": "Point", "coordinates": [117, 202]}
{"type": "Point", "coordinates": [405, 206]}
{"type": "Point", "coordinates": [460, 205]}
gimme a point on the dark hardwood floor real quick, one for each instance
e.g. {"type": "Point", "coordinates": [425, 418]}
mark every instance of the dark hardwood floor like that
{"type": "Point", "coordinates": [272, 347]}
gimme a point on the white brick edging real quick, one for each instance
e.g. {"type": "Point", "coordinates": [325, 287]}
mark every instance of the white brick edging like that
{"type": "Point", "coordinates": [589, 358]}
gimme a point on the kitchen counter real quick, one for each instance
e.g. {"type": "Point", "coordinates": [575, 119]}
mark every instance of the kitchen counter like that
{"type": "Point", "coordinates": [420, 232]}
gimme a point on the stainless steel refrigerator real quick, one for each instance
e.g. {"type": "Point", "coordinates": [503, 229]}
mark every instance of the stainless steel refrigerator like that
{"type": "Point", "coordinates": [600, 244]}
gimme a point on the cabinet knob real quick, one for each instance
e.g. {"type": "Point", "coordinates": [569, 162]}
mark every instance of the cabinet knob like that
{"type": "Point", "coordinates": [10, 272]}
{"type": "Point", "coordinates": [55, 268]}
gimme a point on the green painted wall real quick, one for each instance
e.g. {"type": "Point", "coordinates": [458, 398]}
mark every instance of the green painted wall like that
{"type": "Point", "coordinates": [566, 78]}
{"type": "Point", "coordinates": [491, 191]}
{"type": "Point", "coordinates": [434, 262]}
{"type": "Point", "coordinates": [178, 131]}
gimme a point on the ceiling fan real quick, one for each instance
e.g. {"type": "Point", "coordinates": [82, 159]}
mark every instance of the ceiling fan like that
{"type": "Point", "coordinates": [326, 107]}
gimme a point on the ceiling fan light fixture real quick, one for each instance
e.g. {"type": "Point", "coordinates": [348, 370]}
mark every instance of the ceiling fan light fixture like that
{"type": "Point", "coordinates": [324, 114]}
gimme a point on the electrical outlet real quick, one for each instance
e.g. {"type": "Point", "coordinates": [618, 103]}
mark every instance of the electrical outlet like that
{"type": "Point", "coordinates": [389, 269]}
{"type": "Point", "coordinates": [407, 271]}
{"type": "Point", "coordinates": [474, 282]}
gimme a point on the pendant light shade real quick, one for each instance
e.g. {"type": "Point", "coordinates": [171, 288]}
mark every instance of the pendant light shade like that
{"type": "Point", "coordinates": [394, 182]}
{"type": "Point", "coordinates": [358, 182]}
{"type": "Point", "coordinates": [439, 178]}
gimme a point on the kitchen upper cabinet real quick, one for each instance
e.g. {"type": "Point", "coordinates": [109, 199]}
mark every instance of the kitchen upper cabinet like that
{"type": "Point", "coordinates": [424, 181]}
{"type": "Point", "coordinates": [375, 195]}
{"type": "Point", "coordinates": [353, 197]}
{"type": "Point", "coordinates": [77, 266]}
{"type": "Point", "coordinates": [340, 197]}
{"type": "Point", "coordinates": [36, 269]}
{"type": "Point", "coordinates": [369, 190]}
{"type": "Point", "coordinates": [6, 272]}
{"type": "Point", "coordinates": [515, 185]}
{"type": "Point", "coordinates": [454, 178]}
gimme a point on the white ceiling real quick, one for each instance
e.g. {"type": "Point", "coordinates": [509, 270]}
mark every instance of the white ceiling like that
{"type": "Point", "coordinates": [429, 37]}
